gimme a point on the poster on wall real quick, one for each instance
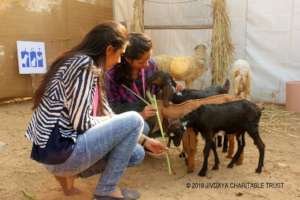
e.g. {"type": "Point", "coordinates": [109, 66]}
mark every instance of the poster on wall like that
{"type": "Point", "coordinates": [31, 57]}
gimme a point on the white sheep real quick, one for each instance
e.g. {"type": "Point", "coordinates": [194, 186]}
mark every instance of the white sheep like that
{"type": "Point", "coordinates": [184, 68]}
{"type": "Point", "coordinates": [241, 79]}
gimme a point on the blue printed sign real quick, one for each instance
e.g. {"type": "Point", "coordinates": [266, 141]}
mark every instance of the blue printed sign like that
{"type": "Point", "coordinates": [31, 57]}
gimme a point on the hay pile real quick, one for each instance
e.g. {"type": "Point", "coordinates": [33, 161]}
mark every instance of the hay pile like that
{"type": "Point", "coordinates": [138, 16]}
{"type": "Point", "coordinates": [222, 47]}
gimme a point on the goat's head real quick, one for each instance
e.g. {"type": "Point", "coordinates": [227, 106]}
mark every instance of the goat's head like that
{"type": "Point", "coordinates": [175, 131]}
{"type": "Point", "coordinates": [242, 82]}
{"type": "Point", "coordinates": [200, 49]}
{"type": "Point", "coordinates": [167, 85]}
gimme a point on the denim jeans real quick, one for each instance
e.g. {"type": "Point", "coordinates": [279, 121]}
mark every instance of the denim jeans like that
{"type": "Point", "coordinates": [115, 142]}
{"type": "Point", "coordinates": [135, 158]}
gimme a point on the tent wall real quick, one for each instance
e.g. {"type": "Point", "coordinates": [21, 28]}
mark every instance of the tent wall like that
{"type": "Point", "coordinates": [58, 23]}
{"type": "Point", "coordinates": [273, 43]}
{"type": "Point", "coordinates": [265, 33]}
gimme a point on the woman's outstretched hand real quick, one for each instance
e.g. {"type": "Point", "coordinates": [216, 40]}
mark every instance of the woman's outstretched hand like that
{"type": "Point", "coordinates": [155, 146]}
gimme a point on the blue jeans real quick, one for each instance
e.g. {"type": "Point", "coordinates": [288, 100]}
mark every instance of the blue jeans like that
{"type": "Point", "coordinates": [135, 158]}
{"type": "Point", "coordinates": [115, 142]}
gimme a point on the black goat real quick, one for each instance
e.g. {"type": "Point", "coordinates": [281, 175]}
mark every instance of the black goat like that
{"type": "Point", "coordinates": [188, 94]}
{"type": "Point", "coordinates": [175, 131]}
{"type": "Point", "coordinates": [165, 83]}
{"type": "Point", "coordinates": [233, 117]}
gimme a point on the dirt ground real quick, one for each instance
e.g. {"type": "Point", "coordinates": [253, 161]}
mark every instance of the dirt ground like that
{"type": "Point", "coordinates": [24, 179]}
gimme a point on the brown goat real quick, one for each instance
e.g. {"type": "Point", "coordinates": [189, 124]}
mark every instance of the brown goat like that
{"type": "Point", "coordinates": [176, 111]}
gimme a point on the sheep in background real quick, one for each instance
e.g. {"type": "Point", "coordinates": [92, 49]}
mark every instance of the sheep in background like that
{"type": "Point", "coordinates": [184, 68]}
{"type": "Point", "coordinates": [241, 78]}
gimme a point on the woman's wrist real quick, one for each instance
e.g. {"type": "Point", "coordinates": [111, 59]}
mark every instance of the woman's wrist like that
{"type": "Point", "coordinates": [143, 139]}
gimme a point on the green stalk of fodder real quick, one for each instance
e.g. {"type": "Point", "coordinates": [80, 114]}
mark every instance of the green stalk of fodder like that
{"type": "Point", "coordinates": [154, 103]}
{"type": "Point", "coordinates": [222, 47]}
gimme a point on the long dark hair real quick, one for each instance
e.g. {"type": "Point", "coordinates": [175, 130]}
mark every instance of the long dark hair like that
{"type": "Point", "coordinates": [94, 44]}
{"type": "Point", "coordinates": [139, 43]}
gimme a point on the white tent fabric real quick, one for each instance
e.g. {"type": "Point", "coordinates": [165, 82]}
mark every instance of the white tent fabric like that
{"type": "Point", "coordinates": [272, 45]}
{"type": "Point", "coordinates": [264, 32]}
{"type": "Point", "coordinates": [164, 12]}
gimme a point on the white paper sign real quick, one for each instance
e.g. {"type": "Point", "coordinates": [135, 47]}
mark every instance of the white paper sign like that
{"type": "Point", "coordinates": [31, 57]}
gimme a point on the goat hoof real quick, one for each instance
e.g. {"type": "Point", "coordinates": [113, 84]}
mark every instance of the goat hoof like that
{"type": "Point", "coordinates": [72, 192]}
{"type": "Point", "coordinates": [239, 162]}
{"type": "Point", "coordinates": [216, 167]}
{"type": "Point", "coordinates": [258, 170]}
{"type": "Point", "coordinates": [230, 165]}
{"type": "Point", "coordinates": [202, 173]}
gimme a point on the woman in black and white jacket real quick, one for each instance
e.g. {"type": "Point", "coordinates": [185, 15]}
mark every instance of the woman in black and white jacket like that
{"type": "Point", "coordinates": [66, 138]}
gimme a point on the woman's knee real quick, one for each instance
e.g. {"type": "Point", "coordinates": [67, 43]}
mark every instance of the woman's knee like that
{"type": "Point", "coordinates": [136, 120]}
{"type": "Point", "coordinates": [137, 156]}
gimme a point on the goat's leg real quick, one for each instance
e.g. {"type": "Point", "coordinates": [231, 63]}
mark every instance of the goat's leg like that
{"type": "Point", "coordinates": [191, 162]}
{"type": "Point", "coordinates": [189, 141]}
{"type": "Point", "coordinates": [231, 145]}
{"type": "Point", "coordinates": [208, 145]}
{"type": "Point", "coordinates": [217, 161]}
{"type": "Point", "coordinates": [241, 158]}
{"type": "Point", "coordinates": [219, 139]}
{"type": "Point", "coordinates": [225, 143]}
{"type": "Point", "coordinates": [185, 145]}
{"type": "Point", "coordinates": [193, 149]}
{"type": "Point", "coordinates": [260, 145]}
{"type": "Point", "coordinates": [239, 150]}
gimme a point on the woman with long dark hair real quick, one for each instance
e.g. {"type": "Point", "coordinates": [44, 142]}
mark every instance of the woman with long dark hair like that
{"type": "Point", "coordinates": [129, 77]}
{"type": "Point", "coordinates": [66, 138]}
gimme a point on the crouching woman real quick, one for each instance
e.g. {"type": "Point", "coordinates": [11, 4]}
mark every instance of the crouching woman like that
{"type": "Point", "coordinates": [66, 138]}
